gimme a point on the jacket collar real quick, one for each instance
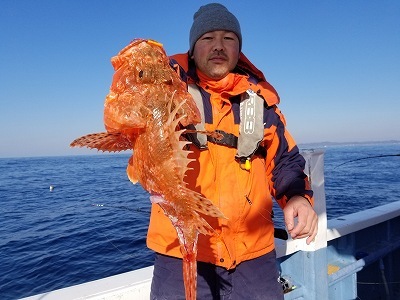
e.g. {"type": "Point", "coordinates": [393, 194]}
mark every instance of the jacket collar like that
{"type": "Point", "coordinates": [257, 80]}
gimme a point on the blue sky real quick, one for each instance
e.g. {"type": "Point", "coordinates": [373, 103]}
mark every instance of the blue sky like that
{"type": "Point", "coordinates": [335, 64]}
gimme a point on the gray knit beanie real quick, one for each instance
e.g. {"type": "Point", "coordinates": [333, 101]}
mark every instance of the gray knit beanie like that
{"type": "Point", "coordinates": [210, 17]}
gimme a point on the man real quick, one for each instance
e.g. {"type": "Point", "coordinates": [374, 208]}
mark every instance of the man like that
{"type": "Point", "coordinates": [256, 160]}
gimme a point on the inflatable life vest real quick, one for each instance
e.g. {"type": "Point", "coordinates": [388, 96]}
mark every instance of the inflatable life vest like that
{"type": "Point", "coordinates": [252, 105]}
{"type": "Point", "coordinates": [251, 129]}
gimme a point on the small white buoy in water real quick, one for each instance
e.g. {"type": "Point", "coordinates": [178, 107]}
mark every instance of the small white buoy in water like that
{"type": "Point", "coordinates": [51, 188]}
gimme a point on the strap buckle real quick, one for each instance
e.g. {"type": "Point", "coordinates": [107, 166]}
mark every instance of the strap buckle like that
{"type": "Point", "coordinates": [228, 139]}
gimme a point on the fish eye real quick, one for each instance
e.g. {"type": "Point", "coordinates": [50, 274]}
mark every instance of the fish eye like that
{"type": "Point", "coordinates": [141, 74]}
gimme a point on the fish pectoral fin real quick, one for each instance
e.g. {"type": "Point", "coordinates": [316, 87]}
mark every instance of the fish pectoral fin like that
{"type": "Point", "coordinates": [104, 141]}
{"type": "Point", "coordinates": [205, 206]}
{"type": "Point", "coordinates": [199, 205]}
{"type": "Point", "coordinates": [202, 225]}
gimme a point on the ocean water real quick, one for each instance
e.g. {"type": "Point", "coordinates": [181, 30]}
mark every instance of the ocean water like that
{"type": "Point", "coordinates": [93, 223]}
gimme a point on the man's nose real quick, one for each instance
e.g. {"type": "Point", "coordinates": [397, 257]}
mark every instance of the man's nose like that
{"type": "Point", "coordinates": [218, 46]}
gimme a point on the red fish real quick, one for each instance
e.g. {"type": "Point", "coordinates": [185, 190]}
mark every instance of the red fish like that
{"type": "Point", "coordinates": [146, 104]}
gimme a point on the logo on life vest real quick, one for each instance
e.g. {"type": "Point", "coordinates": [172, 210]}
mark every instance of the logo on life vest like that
{"type": "Point", "coordinates": [249, 113]}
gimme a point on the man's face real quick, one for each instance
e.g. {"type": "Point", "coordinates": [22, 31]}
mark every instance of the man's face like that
{"type": "Point", "coordinates": [216, 53]}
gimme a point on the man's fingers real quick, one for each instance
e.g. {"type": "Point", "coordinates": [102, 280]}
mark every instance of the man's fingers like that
{"type": "Point", "coordinates": [311, 238]}
{"type": "Point", "coordinates": [289, 220]}
{"type": "Point", "coordinates": [302, 222]}
{"type": "Point", "coordinates": [307, 220]}
{"type": "Point", "coordinates": [307, 225]}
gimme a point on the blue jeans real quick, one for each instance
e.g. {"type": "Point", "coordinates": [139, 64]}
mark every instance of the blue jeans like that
{"type": "Point", "coordinates": [252, 279]}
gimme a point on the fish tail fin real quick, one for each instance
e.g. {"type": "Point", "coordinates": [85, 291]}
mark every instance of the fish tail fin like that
{"type": "Point", "coordinates": [104, 141]}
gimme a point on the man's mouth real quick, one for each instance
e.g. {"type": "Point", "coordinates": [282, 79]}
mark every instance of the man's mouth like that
{"type": "Point", "coordinates": [218, 58]}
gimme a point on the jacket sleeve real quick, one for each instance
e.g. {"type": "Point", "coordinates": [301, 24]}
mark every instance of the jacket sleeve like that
{"type": "Point", "coordinates": [285, 165]}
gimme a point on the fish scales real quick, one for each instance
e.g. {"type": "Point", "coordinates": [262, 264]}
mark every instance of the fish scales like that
{"type": "Point", "coordinates": [143, 111]}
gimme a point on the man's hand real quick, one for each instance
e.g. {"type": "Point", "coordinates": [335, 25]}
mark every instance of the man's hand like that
{"type": "Point", "coordinates": [307, 219]}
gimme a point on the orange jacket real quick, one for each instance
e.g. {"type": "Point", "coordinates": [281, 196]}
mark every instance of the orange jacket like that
{"type": "Point", "coordinates": [243, 196]}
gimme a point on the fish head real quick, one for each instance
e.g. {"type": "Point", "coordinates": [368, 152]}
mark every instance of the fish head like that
{"type": "Point", "coordinates": [143, 81]}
